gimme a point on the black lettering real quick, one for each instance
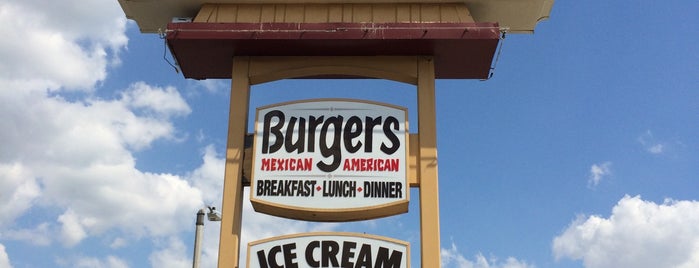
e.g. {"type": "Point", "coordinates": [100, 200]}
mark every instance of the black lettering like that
{"type": "Point", "coordinates": [313, 123]}
{"type": "Point", "coordinates": [309, 254]}
{"type": "Point", "coordinates": [276, 130]}
{"type": "Point", "coordinates": [272, 258]}
{"type": "Point", "coordinates": [398, 190]}
{"type": "Point", "coordinates": [299, 145]}
{"type": "Point", "coordinates": [329, 250]}
{"type": "Point", "coordinates": [353, 129]}
{"type": "Point", "coordinates": [383, 189]}
{"type": "Point", "coordinates": [275, 190]}
{"type": "Point", "coordinates": [367, 189]}
{"type": "Point", "coordinates": [290, 256]}
{"type": "Point", "coordinates": [287, 188]}
{"type": "Point", "coordinates": [348, 253]}
{"type": "Point", "coordinates": [383, 260]}
{"type": "Point", "coordinates": [262, 259]}
{"type": "Point", "coordinates": [313, 186]}
{"type": "Point", "coordinates": [267, 187]}
{"type": "Point", "coordinates": [260, 188]}
{"type": "Point", "coordinates": [364, 257]}
{"type": "Point", "coordinates": [369, 132]}
{"type": "Point", "coordinates": [334, 149]}
{"type": "Point", "coordinates": [395, 143]}
{"type": "Point", "coordinates": [308, 187]}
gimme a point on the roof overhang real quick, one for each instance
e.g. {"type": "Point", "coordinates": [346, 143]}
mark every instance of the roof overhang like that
{"type": "Point", "coordinates": [518, 16]}
{"type": "Point", "coordinates": [460, 50]}
{"type": "Point", "coordinates": [461, 35]}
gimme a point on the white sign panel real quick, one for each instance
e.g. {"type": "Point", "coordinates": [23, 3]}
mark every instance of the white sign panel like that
{"type": "Point", "coordinates": [328, 250]}
{"type": "Point", "coordinates": [330, 160]}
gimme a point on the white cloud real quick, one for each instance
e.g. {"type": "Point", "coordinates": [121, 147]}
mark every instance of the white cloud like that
{"type": "Point", "coordinates": [451, 257]}
{"type": "Point", "coordinates": [43, 48]}
{"type": "Point", "coordinates": [92, 262]}
{"type": "Point", "coordinates": [4, 259]}
{"type": "Point", "coordinates": [650, 144]}
{"type": "Point", "coordinates": [72, 230]}
{"type": "Point", "coordinates": [209, 177]}
{"type": "Point", "coordinates": [171, 256]}
{"type": "Point", "coordinates": [118, 243]}
{"type": "Point", "coordinates": [656, 149]}
{"type": "Point", "coordinates": [598, 172]}
{"type": "Point", "coordinates": [209, 246]}
{"type": "Point", "coordinates": [18, 189]}
{"type": "Point", "coordinates": [638, 234]}
{"type": "Point", "coordinates": [163, 101]}
{"type": "Point", "coordinates": [41, 235]}
{"type": "Point", "coordinates": [76, 157]}
{"type": "Point", "coordinates": [194, 87]}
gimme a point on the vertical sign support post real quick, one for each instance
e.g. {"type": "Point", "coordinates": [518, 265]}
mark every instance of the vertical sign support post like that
{"type": "Point", "coordinates": [231, 219]}
{"type": "Point", "coordinates": [417, 70]}
{"type": "Point", "coordinates": [427, 164]}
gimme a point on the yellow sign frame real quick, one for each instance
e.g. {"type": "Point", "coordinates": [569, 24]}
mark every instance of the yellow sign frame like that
{"type": "Point", "coordinates": [247, 71]}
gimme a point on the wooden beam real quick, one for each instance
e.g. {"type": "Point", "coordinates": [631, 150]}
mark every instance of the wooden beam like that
{"type": "Point", "coordinates": [232, 208]}
{"type": "Point", "coordinates": [429, 186]}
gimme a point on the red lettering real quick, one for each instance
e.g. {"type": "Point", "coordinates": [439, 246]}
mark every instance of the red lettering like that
{"type": "Point", "coordinates": [371, 164]}
{"type": "Point", "coordinates": [286, 164]}
{"type": "Point", "coordinates": [265, 164]}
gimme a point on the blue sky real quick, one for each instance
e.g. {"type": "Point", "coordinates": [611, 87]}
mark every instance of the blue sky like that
{"type": "Point", "coordinates": [581, 151]}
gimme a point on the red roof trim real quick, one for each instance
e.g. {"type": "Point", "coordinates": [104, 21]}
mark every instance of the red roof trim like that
{"type": "Point", "coordinates": [461, 50]}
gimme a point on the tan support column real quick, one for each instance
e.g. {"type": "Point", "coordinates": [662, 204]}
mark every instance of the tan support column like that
{"type": "Point", "coordinates": [429, 186]}
{"type": "Point", "coordinates": [232, 210]}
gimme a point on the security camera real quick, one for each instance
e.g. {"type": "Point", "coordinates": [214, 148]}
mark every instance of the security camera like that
{"type": "Point", "coordinates": [213, 215]}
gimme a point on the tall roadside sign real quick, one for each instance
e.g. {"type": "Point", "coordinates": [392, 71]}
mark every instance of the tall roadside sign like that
{"type": "Point", "coordinates": [316, 159]}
